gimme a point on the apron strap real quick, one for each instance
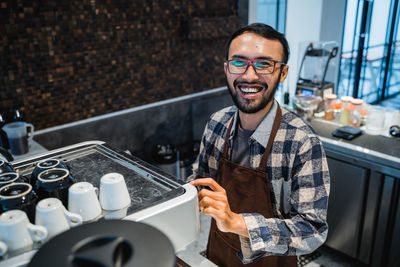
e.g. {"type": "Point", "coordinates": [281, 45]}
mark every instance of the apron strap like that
{"type": "Point", "coordinates": [226, 144]}
{"type": "Point", "coordinates": [275, 128]}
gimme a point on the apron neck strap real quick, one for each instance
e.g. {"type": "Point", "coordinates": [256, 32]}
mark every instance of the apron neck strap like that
{"type": "Point", "coordinates": [228, 133]}
{"type": "Point", "coordinates": [275, 128]}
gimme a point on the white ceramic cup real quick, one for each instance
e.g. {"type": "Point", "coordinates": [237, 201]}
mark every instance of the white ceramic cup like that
{"type": "Point", "coordinates": [114, 193]}
{"type": "Point", "coordinates": [17, 232]}
{"type": "Point", "coordinates": [51, 214]}
{"type": "Point", "coordinates": [83, 200]}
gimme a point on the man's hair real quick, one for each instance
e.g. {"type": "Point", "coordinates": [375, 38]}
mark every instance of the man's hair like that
{"type": "Point", "coordinates": [265, 31]}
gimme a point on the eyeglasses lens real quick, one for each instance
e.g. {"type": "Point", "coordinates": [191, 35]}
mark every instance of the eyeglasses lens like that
{"type": "Point", "coordinates": [261, 67]}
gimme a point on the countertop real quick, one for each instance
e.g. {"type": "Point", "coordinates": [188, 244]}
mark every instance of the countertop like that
{"type": "Point", "coordinates": [378, 148]}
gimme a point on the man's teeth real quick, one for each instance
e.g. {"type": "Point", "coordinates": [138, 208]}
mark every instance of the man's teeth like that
{"type": "Point", "coordinates": [249, 89]}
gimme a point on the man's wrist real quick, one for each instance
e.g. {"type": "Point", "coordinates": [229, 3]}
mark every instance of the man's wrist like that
{"type": "Point", "coordinates": [239, 225]}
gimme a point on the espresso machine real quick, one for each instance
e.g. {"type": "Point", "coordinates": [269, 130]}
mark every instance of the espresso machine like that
{"type": "Point", "coordinates": [163, 210]}
{"type": "Point", "coordinates": [314, 67]}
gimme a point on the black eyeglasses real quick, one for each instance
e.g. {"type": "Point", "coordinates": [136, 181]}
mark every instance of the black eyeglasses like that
{"type": "Point", "coordinates": [261, 66]}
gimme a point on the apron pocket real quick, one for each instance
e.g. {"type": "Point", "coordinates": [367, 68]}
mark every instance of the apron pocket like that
{"type": "Point", "coordinates": [230, 240]}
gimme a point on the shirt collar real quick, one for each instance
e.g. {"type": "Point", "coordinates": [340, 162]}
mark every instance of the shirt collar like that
{"type": "Point", "coordinates": [264, 129]}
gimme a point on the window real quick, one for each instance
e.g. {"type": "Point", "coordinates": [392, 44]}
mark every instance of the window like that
{"type": "Point", "coordinates": [273, 13]}
{"type": "Point", "coordinates": [370, 59]}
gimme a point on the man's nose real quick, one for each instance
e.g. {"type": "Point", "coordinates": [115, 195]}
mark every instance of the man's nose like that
{"type": "Point", "coordinates": [250, 73]}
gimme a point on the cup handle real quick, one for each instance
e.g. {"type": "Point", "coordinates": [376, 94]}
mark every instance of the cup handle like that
{"type": "Point", "coordinates": [31, 131]}
{"type": "Point", "coordinates": [37, 232]}
{"type": "Point", "coordinates": [96, 190]}
{"type": "Point", "coordinates": [3, 249]}
{"type": "Point", "coordinates": [74, 219]}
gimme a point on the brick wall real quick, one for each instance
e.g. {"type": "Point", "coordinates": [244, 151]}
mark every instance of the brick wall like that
{"type": "Point", "coordinates": [63, 61]}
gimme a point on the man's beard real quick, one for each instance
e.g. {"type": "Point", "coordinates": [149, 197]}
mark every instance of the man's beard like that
{"type": "Point", "coordinates": [247, 107]}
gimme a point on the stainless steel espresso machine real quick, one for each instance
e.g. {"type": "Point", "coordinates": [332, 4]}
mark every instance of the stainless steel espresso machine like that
{"type": "Point", "coordinates": [158, 202]}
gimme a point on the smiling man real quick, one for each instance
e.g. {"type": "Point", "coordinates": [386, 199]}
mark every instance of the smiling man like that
{"type": "Point", "coordinates": [264, 168]}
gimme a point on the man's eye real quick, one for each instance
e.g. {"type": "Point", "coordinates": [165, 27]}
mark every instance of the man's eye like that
{"type": "Point", "coordinates": [237, 63]}
{"type": "Point", "coordinates": [263, 64]}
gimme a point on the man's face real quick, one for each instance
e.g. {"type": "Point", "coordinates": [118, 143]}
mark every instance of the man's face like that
{"type": "Point", "coordinates": [251, 91]}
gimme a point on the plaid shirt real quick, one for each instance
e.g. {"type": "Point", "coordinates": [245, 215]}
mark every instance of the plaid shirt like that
{"type": "Point", "coordinates": [298, 171]}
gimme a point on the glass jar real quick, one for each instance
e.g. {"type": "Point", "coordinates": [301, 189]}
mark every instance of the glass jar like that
{"type": "Point", "coordinates": [337, 107]}
{"type": "Point", "coordinates": [375, 123]}
{"type": "Point", "coordinates": [356, 112]}
{"type": "Point", "coordinates": [329, 112]}
{"type": "Point", "coordinates": [364, 112]}
{"type": "Point", "coordinates": [345, 110]}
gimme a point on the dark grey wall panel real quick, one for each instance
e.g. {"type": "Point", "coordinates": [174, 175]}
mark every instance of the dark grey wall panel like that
{"type": "Point", "coordinates": [394, 257]}
{"type": "Point", "coordinates": [375, 183]}
{"type": "Point", "coordinates": [177, 122]}
{"type": "Point", "coordinates": [383, 222]}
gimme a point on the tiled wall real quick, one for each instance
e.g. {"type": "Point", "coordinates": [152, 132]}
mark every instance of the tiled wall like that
{"type": "Point", "coordinates": [63, 61]}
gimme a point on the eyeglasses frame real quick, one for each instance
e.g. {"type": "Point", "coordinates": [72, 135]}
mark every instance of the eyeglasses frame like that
{"type": "Point", "coordinates": [251, 62]}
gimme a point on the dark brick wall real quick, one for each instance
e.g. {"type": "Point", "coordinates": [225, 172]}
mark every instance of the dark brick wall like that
{"type": "Point", "coordinates": [63, 61]}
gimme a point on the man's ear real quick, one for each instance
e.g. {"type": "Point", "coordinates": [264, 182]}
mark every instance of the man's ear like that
{"type": "Point", "coordinates": [284, 73]}
{"type": "Point", "coordinates": [225, 68]}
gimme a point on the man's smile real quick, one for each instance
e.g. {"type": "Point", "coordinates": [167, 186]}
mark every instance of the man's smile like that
{"type": "Point", "coordinates": [250, 90]}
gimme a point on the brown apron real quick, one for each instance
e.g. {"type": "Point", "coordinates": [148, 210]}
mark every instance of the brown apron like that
{"type": "Point", "coordinates": [248, 191]}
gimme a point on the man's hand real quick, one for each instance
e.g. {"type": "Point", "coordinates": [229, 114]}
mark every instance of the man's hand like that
{"type": "Point", "coordinates": [215, 203]}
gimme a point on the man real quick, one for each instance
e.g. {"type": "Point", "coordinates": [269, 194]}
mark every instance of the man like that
{"type": "Point", "coordinates": [264, 168]}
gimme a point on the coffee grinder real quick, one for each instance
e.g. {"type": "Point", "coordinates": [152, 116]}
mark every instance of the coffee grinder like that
{"type": "Point", "coordinates": [314, 67]}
